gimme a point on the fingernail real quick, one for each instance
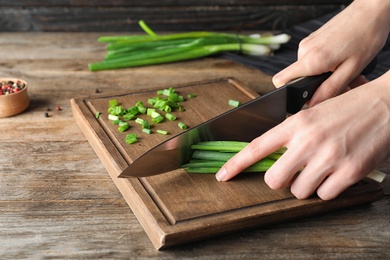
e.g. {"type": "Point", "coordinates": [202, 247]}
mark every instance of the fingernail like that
{"type": "Point", "coordinates": [221, 174]}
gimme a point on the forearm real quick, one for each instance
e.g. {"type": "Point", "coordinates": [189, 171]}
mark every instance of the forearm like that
{"type": "Point", "coordinates": [378, 10]}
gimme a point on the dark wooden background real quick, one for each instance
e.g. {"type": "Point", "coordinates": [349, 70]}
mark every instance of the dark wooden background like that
{"type": "Point", "coordinates": [160, 15]}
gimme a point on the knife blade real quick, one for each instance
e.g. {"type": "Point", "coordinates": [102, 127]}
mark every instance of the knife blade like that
{"type": "Point", "coordinates": [243, 123]}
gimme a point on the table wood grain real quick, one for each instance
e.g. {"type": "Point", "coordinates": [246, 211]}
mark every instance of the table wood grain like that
{"type": "Point", "coordinates": [58, 201]}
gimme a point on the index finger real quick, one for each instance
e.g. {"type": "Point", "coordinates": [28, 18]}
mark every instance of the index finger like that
{"type": "Point", "coordinates": [256, 150]}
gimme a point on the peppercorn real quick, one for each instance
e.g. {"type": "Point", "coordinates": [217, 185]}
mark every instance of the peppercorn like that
{"type": "Point", "coordinates": [10, 87]}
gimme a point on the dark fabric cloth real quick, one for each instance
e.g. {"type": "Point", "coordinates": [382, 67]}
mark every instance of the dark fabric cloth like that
{"type": "Point", "coordinates": [287, 54]}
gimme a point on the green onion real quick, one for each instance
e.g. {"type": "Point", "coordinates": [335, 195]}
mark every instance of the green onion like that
{"type": "Point", "coordinates": [163, 132]}
{"type": "Point", "coordinates": [146, 28]}
{"type": "Point", "coordinates": [123, 126]}
{"type": "Point", "coordinates": [234, 103]}
{"type": "Point", "coordinates": [145, 124]}
{"type": "Point", "coordinates": [210, 156]}
{"type": "Point", "coordinates": [97, 115]}
{"type": "Point", "coordinates": [131, 138]}
{"type": "Point", "coordinates": [149, 111]}
{"type": "Point", "coordinates": [113, 117]}
{"type": "Point", "coordinates": [142, 50]}
{"type": "Point", "coordinates": [146, 130]}
{"type": "Point", "coordinates": [112, 102]}
{"type": "Point", "coordinates": [222, 146]}
{"type": "Point", "coordinates": [139, 120]}
{"type": "Point", "coordinates": [129, 116]}
{"type": "Point", "coordinates": [204, 166]}
{"type": "Point", "coordinates": [182, 126]}
{"type": "Point", "coordinates": [191, 95]}
{"type": "Point", "coordinates": [155, 114]}
{"type": "Point", "coordinates": [157, 119]}
{"type": "Point", "coordinates": [170, 117]}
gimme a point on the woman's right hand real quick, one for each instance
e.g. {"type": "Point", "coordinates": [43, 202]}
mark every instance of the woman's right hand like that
{"type": "Point", "coordinates": [344, 45]}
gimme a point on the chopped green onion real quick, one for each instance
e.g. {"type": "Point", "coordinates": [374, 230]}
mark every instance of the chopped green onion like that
{"type": "Point", "coordinates": [129, 116]}
{"type": "Point", "coordinates": [150, 111]}
{"type": "Point", "coordinates": [145, 124]}
{"type": "Point", "coordinates": [123, 127]}
{"type": "Point", "coordinates": [182, 125]}
{"type": "Point", "coordinates": [97, 115]}
{"type": "Point", "coordinates": [234, 103]}
{"type": "Point", "coordinates": [157, 119]}
{"type": "Point", "coordinates": [146, 130]}
{"type": "Point", "coordinates": [112, 102]}
{"type": "Point", "coordinates": [131, 138]}
{"type": "Point", "coordinates": [163, 132]}
{"type": "Point", "coordinates": [170, 117]}
{"type": "Point", "coordinates": [155, 114]}
{"type": "Point", "coordinates": [139, 120]}
{"type": "Point", "coordinates": [113, 117]}
{"type": "Point", "coordinates": [191, 95]}
{"type": "Point", "coordinates": [133, 110]}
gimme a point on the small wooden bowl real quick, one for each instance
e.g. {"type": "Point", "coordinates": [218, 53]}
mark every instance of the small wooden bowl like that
{"type": "Point", "coordinates": [15, 103]}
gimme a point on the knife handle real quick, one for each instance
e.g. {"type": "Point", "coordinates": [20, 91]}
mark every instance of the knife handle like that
{"type": "Point", "coordinates": [301, 90]}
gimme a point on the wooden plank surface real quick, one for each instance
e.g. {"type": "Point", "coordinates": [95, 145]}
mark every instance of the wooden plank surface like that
{"type": "Point", "coordinates": [57, 200]}
{"type": "Point", "coordinates": [167, 15]}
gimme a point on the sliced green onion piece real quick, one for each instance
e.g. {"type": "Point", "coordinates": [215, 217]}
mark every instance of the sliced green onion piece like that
{"type": "Point", "coordinates": [163, 132]}
{"type": "Point", "coordinates": [129, 116]}
{"type": "Point", "coordinates": [182, 125]}
{"type": "Point", "coordinates": [113, 117]}
{"type": "Point", "coordinates": [157, 119]}
{"type": "Point", "coordinates": [123, 127]}
{"type": "Point", "coordinates": [170, 117]}
{"type": "Point", "coordinates": [149, 111]}
{"type": "Point", "coordinates": [97, 115]}
{"type": "Point", "coordinates": [112, 102]}
{"type": "Point", "coordinates": [146, 130]}
{"type": "Point", "coordinates": [233, 103]}
{"type": "Point", "coordinates": [145, 124]}
{"type": "Point", "coordinates": [131, 138]}
{"type": "Point", "coordinates": [139, 120]}
{"type": "Point", "coordinates": [155, 114]}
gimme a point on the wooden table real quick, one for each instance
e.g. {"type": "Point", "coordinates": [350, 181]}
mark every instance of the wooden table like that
{"type": "Point", "coordinates": [57, 200]}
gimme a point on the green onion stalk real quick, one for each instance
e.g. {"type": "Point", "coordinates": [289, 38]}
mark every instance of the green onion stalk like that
{"type": "Point", "coordinates": [210, 156]}
{"type": "Point", "coordinates": [151, 49]}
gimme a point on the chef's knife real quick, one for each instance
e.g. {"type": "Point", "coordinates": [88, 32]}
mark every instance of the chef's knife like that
{"type": "Point", "coordinates": [243, 123]}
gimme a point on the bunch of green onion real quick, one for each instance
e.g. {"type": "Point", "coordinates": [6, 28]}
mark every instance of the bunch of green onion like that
{"type": "Point", "coordinates": [210, 156]}
{"type": "Point", "coordinates": [150, 49]}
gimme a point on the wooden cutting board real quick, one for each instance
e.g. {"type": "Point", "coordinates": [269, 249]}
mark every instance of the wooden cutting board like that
{"type": "Point", "coordinates": [177, 207]}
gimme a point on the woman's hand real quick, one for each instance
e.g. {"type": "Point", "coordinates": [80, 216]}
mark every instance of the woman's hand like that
{"type": "Point", "coordinates": [336, 143]}
{"type": "Point", "coordinates": [344, 45]}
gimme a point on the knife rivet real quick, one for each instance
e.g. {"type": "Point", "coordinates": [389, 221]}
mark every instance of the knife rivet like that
{"type": "Point", "coordinates": [305, 94]}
